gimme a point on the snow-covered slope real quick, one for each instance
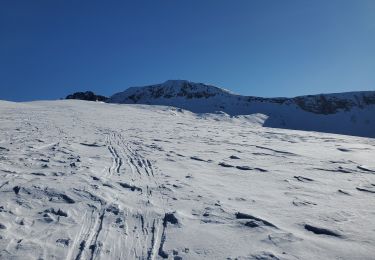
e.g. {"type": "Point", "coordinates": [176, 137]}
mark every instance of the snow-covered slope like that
{"type": "Point", "coordinates": [87, 180]}
{"type": "Point", "coordinates": [349, 113]}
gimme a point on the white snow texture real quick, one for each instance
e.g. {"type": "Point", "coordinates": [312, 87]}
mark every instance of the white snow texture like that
{"type": "Point", "coordinates": [91, 180]}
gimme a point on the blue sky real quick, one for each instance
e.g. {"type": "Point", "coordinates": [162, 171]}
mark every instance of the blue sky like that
{"type": "Point", "coordinates": [49, 49]}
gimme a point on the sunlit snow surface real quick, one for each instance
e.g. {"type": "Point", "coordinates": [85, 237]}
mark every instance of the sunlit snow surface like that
{"type": "Point", "coordinates": [86, 180]}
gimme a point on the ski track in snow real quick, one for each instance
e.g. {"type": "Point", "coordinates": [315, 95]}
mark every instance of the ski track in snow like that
{"type": "Point", "coordinates": [86, 180]}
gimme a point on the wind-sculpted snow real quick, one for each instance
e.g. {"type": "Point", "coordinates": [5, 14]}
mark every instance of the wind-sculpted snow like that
{"type": "Point", "coordinates": [86, 180]}
{"type": "Point", "coordinates": [349, 113]}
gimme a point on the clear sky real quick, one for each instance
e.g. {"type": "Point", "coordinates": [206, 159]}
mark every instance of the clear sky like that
{"type": "Point", "coordinates": [49, 49]}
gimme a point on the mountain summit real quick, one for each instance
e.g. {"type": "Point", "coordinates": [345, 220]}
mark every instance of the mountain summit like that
{"type": "Point", "coordinates": [343, 113]}
{"type": "Point", "coordinates": [181, 89]}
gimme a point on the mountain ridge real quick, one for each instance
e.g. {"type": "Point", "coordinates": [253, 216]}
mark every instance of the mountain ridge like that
{"type": "Point", "coordinates": [190, 90]}
{"type": "Point", "coordinates": [348, 113]}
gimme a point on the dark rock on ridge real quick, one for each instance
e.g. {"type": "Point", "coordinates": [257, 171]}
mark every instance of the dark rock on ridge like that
{"type": "Point", "coordinates": [88, 95]}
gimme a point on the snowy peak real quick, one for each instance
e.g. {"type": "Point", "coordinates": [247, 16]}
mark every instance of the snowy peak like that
{"type": "Point", "coordinates": [167, 90]}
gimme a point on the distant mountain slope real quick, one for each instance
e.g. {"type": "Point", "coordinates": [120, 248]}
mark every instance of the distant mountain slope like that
{"type": "Point", "coordinates": [351, 113]}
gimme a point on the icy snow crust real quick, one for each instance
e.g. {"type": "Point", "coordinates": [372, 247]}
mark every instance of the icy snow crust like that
{"type": "Point", "coordinates": [349, 113]}
{"type": "Point", "coordinates": [86, 180]}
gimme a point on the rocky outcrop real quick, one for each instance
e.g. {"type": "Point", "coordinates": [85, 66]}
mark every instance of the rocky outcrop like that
{"type": "Point", "coordinates": [88, 95]}
{"type": "Point", "coordinates": [332, 103]}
